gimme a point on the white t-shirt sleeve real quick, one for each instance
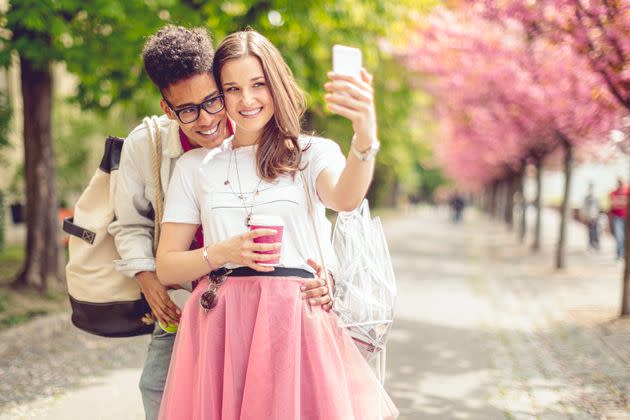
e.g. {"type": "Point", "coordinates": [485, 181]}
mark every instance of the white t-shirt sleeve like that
{"type": "Point", "coordinates": [322, 154]}
{"type": "Point", "coordinates": [181, 204]}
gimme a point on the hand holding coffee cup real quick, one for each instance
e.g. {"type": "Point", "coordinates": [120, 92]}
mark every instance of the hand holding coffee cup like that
{"type": "Point", "coordinates": [275, 223]}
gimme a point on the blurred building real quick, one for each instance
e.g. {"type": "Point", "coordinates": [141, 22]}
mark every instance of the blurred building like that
{"type": "Point", "coordinates": [603, 175]}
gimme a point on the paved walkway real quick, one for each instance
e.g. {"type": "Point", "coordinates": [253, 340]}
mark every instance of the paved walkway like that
{"type": "Point", "coordinates": [484, 330]}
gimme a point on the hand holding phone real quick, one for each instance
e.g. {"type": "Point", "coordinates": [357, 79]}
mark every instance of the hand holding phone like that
{"type": "Point", "coordinates": [350, 99]}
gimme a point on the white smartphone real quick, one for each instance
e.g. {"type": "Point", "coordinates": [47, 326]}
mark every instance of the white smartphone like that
{"type": "Point", "coordinates": [347, 61]}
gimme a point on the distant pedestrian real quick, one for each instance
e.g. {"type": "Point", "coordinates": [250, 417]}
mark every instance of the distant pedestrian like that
{"type": "Point", "coordinates": [618, 216]}
{"type": "Point", "coordinates": [589, 214]}
{"type": "Point", "coordinates": [457, 204]}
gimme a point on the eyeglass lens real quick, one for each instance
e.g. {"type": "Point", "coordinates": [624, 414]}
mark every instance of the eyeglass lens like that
{"type": "Point", "coordinates": [191, 114]}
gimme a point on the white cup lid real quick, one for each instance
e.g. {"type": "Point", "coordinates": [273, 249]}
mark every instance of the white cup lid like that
{"type": "Point", "coordinates": [265, 220]}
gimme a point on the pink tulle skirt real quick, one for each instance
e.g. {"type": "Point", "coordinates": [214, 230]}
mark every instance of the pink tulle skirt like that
{"type": "Point", "coordinates": [264, 353]}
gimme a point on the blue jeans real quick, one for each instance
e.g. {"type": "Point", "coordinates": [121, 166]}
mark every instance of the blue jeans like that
{"type": "Point", "coordinates": [619, 232]}
{"type": "Point", "coordinates": [155, 371]}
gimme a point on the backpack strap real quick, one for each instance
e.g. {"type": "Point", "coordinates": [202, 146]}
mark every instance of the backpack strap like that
{"type": "Point", "coordinates": [153, 128]}
{"type": "Point", "coordinates": [76, 230]}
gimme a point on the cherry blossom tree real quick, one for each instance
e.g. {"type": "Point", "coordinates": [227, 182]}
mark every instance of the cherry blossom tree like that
{"type": "Point", "coordinates": [507, 96]}
{"type": "Point", "coordinates": [599, 31]}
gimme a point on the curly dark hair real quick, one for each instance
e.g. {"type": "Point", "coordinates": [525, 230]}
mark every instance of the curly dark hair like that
{"type": "Point", "coordinates": [176, 53]}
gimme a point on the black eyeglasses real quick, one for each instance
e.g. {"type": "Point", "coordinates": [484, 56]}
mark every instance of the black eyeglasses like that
{"type": "Point", "coordinates": [190, 113]}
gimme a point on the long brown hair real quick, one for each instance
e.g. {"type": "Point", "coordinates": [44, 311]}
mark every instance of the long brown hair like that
{"type": "Point", "coordinates": [279, 151]}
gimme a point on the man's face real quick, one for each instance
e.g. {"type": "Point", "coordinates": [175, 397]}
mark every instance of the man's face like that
{"type": "Point", "coordinates": [209, 130]}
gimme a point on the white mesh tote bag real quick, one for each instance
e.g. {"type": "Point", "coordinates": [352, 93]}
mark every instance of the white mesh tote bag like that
{"type": "Point", "coordinates": [365, 285]}
{"type": "Point", "coordinates": [365, 288]}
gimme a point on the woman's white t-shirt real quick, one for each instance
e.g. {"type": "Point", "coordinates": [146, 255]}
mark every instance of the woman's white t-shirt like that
{"type": "Point", "coordinates": [199, 194]}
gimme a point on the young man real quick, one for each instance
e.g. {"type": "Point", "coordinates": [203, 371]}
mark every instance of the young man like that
{"type": "Point", "coordinates": [179, 62]}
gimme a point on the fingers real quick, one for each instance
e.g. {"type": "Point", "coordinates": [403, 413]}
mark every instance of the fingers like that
{"type": "Point", "coordinates": [346, 89]}
{"type": "Point", "coordinates": [346, 102]}
{"type": "Point", "coordinates": [315, 266]}
{"type": "Point", "coordinates": [350, 100]}
{"type": "Point", "coordinates": [263, 247]}
{"type": "Point", "coordinates": [365, 83]}
{"type": "Point", "coordinates": [164, 308]}
{"type": "Point", "coordinates": [260, 232]}
{"type": "Point", "coordinates": [366, 76]}
{"type": "Point", "coordinates": [163, 315]}
{"type": "Point", "coordinates": [348, 113]}
{"type": "Point", "coordinates": [314, 288]}
{"type": "Point", "coordinates": [316, 292]}
{"type": "Point", "coordinates": [321, 301]}
{"type": "Point", "coordinates": [260, 256]}
{"type": "Point", "coordinates": [170, 312]}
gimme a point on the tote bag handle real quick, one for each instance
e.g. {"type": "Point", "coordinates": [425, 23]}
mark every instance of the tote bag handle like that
{"type": "Point", "coordinates": [311, 213]}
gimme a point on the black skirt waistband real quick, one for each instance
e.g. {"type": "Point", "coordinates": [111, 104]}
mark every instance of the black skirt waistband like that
{"type": "Point", "coordinates": [250, 272]}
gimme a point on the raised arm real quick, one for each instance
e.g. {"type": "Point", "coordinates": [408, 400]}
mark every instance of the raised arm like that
{"type": "Point", "coordinates": [352, 99]}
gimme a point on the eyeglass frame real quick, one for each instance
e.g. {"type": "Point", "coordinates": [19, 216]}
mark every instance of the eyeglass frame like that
{"type": "Point", "coordinates": [198, 108]}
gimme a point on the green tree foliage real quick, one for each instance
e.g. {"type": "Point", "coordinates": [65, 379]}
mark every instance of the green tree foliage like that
{"type": "Point", "coordinates": [100, 42]}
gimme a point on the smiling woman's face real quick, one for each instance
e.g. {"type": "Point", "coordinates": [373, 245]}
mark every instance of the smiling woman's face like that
{"type": "Point", "coordinates": [209, 130]}
{"type": "Point", "coordinates": [248, 99]}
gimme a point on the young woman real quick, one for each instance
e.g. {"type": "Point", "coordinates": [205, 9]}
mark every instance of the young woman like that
{"type": "Point", "coordinates": [248, 347]}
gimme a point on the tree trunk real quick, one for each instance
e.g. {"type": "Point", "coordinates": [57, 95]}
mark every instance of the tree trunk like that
{"type": "Point", "coordinates": [565, 208]}
{"type": "Point", "coordinates": [508, 210]}
{"type": "Point", "coordinates": [394, 194]}
{"type": "Point", "coordinates": [488, 199]}
{"type": "Point", "coordinates": [523, 203]}
{"type": "Point", "coordinates": [500, 200]}
{"type": "Point", "coordinates": [625, 286]}
{"type": "Point", "coordinates": [493, 198]}
{"type": "Point", "coordinates": [43, 259]}
{"type": "Point", "coordinates": [538, 204]}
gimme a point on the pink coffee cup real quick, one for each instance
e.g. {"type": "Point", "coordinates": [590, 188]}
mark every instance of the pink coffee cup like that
{"type": "Point", "coordinates": [262, 221]}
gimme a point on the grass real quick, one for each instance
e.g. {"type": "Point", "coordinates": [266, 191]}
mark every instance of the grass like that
{"type": "Point", "coordinates": [11, 259]}
{"type": "Point", "coordinates": [13, 320]}
{"type": "Point", "coordinates": [18, 306]}
{"type": "Point", "coordinates": [4, 301]}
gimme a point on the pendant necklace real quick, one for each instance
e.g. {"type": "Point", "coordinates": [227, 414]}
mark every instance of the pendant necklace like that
{"type": "Point", "coordinates": [248, 209]}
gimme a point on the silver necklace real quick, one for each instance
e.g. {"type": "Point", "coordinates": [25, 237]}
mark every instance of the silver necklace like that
{"type": "Point", "coordinates": [248, 209]}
